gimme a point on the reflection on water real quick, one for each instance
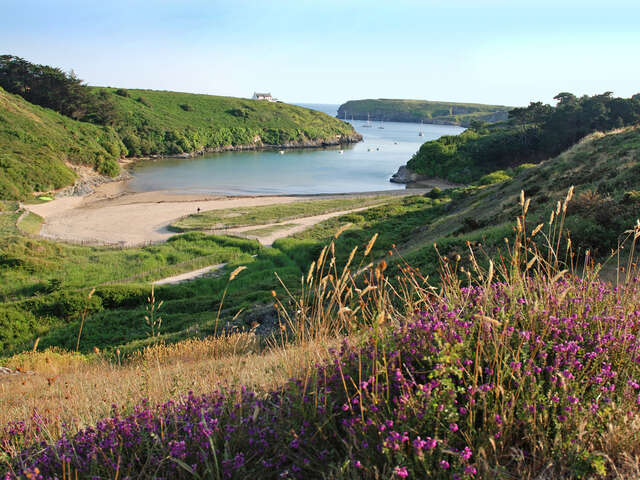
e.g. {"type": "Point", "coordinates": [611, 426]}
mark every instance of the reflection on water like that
{"type": "Point", "coordinates": [365, 166]}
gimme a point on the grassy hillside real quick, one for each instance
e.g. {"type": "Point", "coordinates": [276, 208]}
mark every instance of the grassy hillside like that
{"type": "Point", "coordinates": [532, 134]}
{"type": "Point", "coordinates": [447, 113]}
{"type": "Point", "coordinates": [160, 122]}
{"type": "Point", "coordinates": [101, 125]}
{"type": "Point", "coordinates": [604, 168]}
{"type": "Point", "coordinates": [37, 143]}
{"type": "Point", "coordinates": [531, 353]}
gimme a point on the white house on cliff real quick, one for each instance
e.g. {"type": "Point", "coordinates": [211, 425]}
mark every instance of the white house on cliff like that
{"type": "Point", "coordinates": [263, 96]}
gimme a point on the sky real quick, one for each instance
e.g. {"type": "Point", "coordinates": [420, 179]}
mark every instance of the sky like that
{"type": "Point", "coordinates": [507, 52]}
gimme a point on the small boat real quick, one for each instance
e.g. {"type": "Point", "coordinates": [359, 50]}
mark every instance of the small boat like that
{"type": "Point", "coordinates": [368, 124]}
{"type": "Point", "coordinates": [381, 124]}
{"type": "Point", "coordinates": [341, 152]}
{"type": "Point", "coordinates": [420, 134]}
{"type": "Point", "coordinates": [281, 152]}
{"type": "Point", "coordinates": [395, 143]}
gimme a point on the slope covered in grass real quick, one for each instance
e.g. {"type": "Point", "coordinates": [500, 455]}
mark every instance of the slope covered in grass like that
{"type": "Point", "coordinates": [605, 170]}
{"type": "Point", "coordinates": [160, 122]}
{"type": "Point", "coordinates": [604, 167]}
{"type": "Point", "coordinates": [36, 145]}
{"type": "Point", "coordinates": [532, 134]}
{"type": "Point", "coordinates": [444, 113]}
{"type": "Point", "coordinates": [524, 370]}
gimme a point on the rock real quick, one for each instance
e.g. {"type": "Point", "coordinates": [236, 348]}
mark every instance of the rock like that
{"type": "Point", "coordinates": [404, 175]}
{"type": "Point", "coordinates": [264, 318]}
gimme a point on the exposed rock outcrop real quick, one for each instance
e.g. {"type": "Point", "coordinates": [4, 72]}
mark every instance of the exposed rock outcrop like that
{"type": "Point", "coordinates": [404, 175]}
{"type": "Point", "coordinates": [417, 180]}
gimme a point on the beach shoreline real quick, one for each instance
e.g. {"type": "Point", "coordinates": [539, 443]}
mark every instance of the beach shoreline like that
{"type": "Point", "coordinates": [113, 215]}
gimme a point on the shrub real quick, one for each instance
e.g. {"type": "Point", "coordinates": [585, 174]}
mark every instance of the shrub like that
{"type": "Point", "coordinates": [494, 177]}
{"type": "Point", "coordinates": [186, 107]}
{"type": "Point", "coordinates": [122, 92]}
{"type": "Point", "coordinates": [144, 101]}
{"type": "Point", "coordinates": [434, 193]}
{"type": "Point", "coordinates": [17, 327]}
{"type": "Point", "coordinates": [108, 167]}
{"type": "Point", "coordinates": [352, 218]}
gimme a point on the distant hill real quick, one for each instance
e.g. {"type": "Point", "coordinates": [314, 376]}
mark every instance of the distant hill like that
{"type": "Point", "coordinates": [444, 113]}
{"type": "Point", "coordinates": [161, 122]}
{"type": "Point", "coordinates": [37, 146]}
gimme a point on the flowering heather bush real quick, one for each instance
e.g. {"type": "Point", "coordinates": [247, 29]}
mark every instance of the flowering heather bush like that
{"type": "Point", "coordinates": [455, 391]}
{"type": "Point", "coordinates": [497, 379]}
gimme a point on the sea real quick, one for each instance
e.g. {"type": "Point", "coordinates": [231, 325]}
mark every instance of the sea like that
{"type": "Point", "coordinates": [362, 167]}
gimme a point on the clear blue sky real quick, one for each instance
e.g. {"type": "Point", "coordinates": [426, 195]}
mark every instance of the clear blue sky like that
{"type": "Point", "coordinates": [328, 51]}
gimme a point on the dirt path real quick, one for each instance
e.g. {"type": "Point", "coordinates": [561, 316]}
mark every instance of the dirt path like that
{"type": "Point", "coordinates": [187, 276]}
{"type": "Point", "coordinates": [290, 227]}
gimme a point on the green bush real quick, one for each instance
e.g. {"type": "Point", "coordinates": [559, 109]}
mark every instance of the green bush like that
{"type": "Point", "coordinates": [108, 167]}
{"type": "Point", "coordinates": [17, 327]}
{"type": "Point", "coordinates": [434, 193]}
{"type": "Point", "coordinates": [494, 177]}
{"type": "Point", "coordinates": [122, 92]}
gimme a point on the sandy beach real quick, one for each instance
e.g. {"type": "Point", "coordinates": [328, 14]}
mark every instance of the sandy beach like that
{"type": "Point", "coordinates": [114, 216]}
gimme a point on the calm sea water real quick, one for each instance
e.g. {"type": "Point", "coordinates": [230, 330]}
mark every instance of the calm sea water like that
{"type": "Point", "coordinates": [365, 166]}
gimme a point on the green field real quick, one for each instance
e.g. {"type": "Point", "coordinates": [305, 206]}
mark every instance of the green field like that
{"type": "Point", "coordinates": [445, 113]}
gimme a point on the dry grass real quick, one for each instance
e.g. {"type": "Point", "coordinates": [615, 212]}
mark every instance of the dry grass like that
{"type": "Point", "coordinates": [68, 387]}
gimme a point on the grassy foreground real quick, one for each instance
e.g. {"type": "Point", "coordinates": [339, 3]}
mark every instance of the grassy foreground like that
{"type": "Point", "coordinates": [527, 367]}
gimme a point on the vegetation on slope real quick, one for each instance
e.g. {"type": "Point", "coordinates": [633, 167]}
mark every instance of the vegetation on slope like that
{"type": "Point", "coordinates": [156, 122]}
{"type": "Point", "coordinates": [532, 134]}
{"type": "Point", "coordinates": [604, 168]}
{"type": "Point", "coordinates": [36, 141]}
{"type": "Point", "coordinates": [37, 145]}
{"type": "Point", "coordinates": [529, 368]}
{"type": "Point", "coordinates": [444, 113]}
